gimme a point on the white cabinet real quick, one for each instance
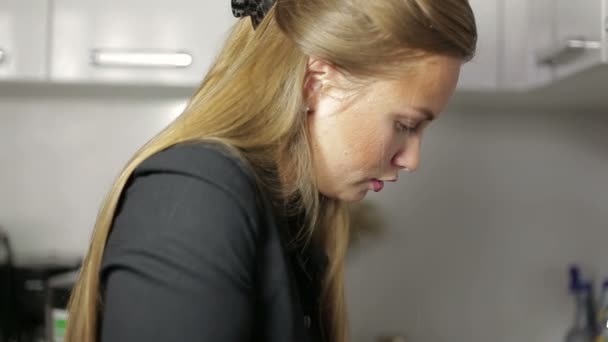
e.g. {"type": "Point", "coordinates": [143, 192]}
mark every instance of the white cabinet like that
{"type": "Point", "coordinates": [137, 41]}
{"type": "Point", "coordinates": [482, 72]}
{"type": "Point", "coordinates": [23, 39]}
{"type": "Point", "coordinates": [522, 44]}
{"type": "Point", "coordinates": [528, 29]}
{"type": "Point", "coordinates": [536, 42]}
{"type": "Point", "coordinates": [509, 35]}
{"type": "Point", "coordinates": [581, 30]}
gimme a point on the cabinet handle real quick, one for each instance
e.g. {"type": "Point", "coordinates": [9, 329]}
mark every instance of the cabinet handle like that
{"type": "Point", "coordinates": [569, 50]}
{"type": "Point", "coordinates": [140, 59]}
{"type": "Point", "coordinates": [2, 56]}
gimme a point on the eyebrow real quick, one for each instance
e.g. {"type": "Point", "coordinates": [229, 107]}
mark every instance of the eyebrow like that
{"type": "Point", "coordinates": [427, 113]}
{"type": "Point", "coordinates": [430, 116]}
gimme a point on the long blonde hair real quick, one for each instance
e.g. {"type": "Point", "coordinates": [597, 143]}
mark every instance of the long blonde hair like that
{"type": "Point", "coordinates": [252, 101]}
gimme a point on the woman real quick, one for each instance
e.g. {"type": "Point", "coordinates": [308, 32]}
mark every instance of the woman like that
{"type": "Point", "coordinates": [231, 224]}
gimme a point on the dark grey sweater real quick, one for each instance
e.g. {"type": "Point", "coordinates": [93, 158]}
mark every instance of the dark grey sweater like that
{"type": "Point", "coordinates": [196, 253]}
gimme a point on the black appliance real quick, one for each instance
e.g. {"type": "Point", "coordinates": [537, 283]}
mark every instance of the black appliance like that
{"type": "Point", "coordinates": [58, 295]}
{"type": "Point", "coordinates": [31, 289]}
{"type": "Point", "coordinates": [6, 295]}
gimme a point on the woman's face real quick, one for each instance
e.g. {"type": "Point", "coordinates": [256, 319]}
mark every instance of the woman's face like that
{"type": "Point", "coordinates": [362, 136]}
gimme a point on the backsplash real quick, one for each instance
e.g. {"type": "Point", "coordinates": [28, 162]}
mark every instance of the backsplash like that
{"type": "Point", "coordinates": [479, 240]}
{"type": "Point", "coordinates": [476, 244]}
{"type": "Point", "coordinates": [59, 157]}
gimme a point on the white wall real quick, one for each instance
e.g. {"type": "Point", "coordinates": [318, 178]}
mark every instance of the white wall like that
{"type": "Point", "coordinates": [58, 157]}
{"type": "Point", "coordinates": [476, 244]}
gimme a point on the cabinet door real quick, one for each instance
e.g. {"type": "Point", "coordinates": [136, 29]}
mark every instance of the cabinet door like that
{"type": "Point", "coordinates": [580, 34]}
{"type": "Point", "coordinates": [137, 41]}
{"type": "Point", "coordinates": [482, 72]}
{"type": "Point", "coordinates": [529, 30]}
{"type": "Point", "coordinates": [23, 39]}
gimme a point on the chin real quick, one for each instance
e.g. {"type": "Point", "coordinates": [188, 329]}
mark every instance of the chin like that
{"type": "Point", "coordinates": [351, 196]}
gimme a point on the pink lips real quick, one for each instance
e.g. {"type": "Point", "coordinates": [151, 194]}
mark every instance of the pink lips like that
{"type": "Point", "coordinates": [378, 185]}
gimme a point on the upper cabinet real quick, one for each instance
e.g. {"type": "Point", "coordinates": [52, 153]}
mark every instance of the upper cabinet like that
{"type": "Point", "coordinates": [527, 29]}
{"type": "Point", "coordinates": [23, 39]}
{"type": "Point", "coordinates": [581, 32]}
{"type": "Point", "coordinates": [482, 71]}
{"type": "Point", "coordinates": [547, 40]}
{"type": "Point", "coordinates": [137, 41]}
{"type": "Point", "coordinates": [535, 42]}
{"type": "Point", "coordinates": [522, 44]}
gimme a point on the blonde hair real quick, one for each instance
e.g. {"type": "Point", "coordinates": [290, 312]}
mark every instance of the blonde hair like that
{"type": "Point", "coordinates": [252, 101]}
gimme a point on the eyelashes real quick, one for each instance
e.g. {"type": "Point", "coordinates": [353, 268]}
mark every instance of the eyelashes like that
{"type": "Point", "coordinates": [400, 127]}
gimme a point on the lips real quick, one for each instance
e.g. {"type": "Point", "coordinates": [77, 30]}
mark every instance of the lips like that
{"type": "Point", "coordinates": [378, 185]}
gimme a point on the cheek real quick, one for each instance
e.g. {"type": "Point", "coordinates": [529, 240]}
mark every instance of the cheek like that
{"type": "Point", "coordinates": [369, 144]}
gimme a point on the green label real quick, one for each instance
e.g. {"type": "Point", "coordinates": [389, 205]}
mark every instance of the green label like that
{"type": "Point", "coordinates": [60, 320]}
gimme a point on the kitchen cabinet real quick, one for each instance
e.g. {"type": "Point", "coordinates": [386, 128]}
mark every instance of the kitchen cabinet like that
{"type": "Point", "coordinates": [581, 36]}
{"type": "Point", "coordinates": [522, 44]}
{"type": "Point", "coordinates": [137, 41]}
{"type": "Point", "coordinates": [537, 42]}
{"type": "Point", "coordinates": [528, 30]}
{"type": "Point", "coordinates": [482, 71]}
{"type": "Point", "coordinates": [23, 39]}
{"type": "Point", "coordinates": [510, 33]}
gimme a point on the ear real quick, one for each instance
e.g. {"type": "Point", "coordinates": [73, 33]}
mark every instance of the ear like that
{"type": "Point", "coordinates": [319, 75]}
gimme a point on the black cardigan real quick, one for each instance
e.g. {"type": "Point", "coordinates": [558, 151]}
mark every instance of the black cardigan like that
{"type": "Point", "coordinates": [196, 253]}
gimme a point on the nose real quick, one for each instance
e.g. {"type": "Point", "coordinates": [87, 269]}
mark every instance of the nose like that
{"type": "Point", "coordinates": [408, 156]}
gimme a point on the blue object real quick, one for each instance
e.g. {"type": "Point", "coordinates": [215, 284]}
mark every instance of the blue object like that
{"type": "Point", "coordinates": [586, 287]}
{"type": "Point", "coordinates": [575, 279]}
{"type": "Point", "coordinates": [582, 329]}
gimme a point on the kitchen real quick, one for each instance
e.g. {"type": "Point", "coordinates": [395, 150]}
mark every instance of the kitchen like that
{"type": "Point", "coordinates": [474, 246]}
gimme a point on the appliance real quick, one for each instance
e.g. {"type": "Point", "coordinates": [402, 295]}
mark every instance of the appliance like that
{"type": "Point", "coordinates": [58, 294]}
{"type": "Point", "coordinates": [6, 298]}
{"type": "Point", "coordinates": [31, 289]}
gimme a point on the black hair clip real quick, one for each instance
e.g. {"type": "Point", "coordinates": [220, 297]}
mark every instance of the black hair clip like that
{"type": "Point", "coordinates": [256, 9]}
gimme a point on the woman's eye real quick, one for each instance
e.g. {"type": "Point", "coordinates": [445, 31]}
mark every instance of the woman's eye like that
{"type": "Point", "coordinates": [403, 128]}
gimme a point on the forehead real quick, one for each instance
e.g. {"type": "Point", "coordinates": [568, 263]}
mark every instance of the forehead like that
{"type": "Point", "coordinates": [429, 84]}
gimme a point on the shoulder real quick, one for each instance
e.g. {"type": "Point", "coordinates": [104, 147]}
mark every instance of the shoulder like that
{"type": "Point", "coordinates": [211, 163]}
{"type": "Point", "coordinates": [184, 239]}
{"type": "Point", "coordinates": [182, 203]}
{"type": "Point", "coordinates": [199, 187]}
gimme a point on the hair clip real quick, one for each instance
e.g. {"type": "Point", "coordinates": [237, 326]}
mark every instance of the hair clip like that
{"type": "Point", "coordinates": [255, 9]}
